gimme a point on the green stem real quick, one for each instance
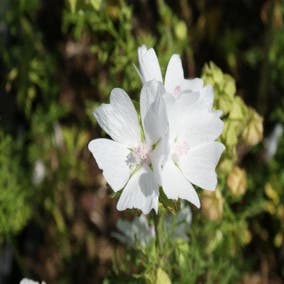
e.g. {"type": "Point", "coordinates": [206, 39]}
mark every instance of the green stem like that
{"type": "Point", "coordinates": [157, 236]}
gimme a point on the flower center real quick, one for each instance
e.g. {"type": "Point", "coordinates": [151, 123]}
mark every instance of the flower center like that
{"type": "Point", "coordinates": [177, 91]}
{"type": "Point", "coordinates": [180, 149]}
{"type": "Point", "coordinates": [139, 155]}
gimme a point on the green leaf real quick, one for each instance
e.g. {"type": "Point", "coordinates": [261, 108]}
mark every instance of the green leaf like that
{"type": "Point", "coordinates": [162, 277]}
{"type": "Point", "coordinates": [96, 4]}
{"type": "Point", "coordinates": [72, 4]}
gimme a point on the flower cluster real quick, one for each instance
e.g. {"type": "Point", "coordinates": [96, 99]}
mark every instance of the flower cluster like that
{"type": "Point", "coordinates": [172, 144]}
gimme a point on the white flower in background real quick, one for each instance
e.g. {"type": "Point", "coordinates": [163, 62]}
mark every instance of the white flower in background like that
{"type": "Point", "coordinates": [178, 225]}
{"type": "Point", "coordinates": [29, 281]}
{"type": "Point", "coordinates": [131, 161]}
{"type": "Point", "coordinates": [136, 231]}
{"type": "Point", "coordinates": [39, 172]}
{"type": "Point", "coordinates": [193, 128]}
{"type": "Point", "coordinates": [140, 231]}
{"type": "Point", "coordinates": [57, 138]}
{"type": "Point", "coordinates": [272, 141]}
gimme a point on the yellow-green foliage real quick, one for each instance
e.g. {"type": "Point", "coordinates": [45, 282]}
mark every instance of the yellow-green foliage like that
{"type": "Point", "coordinates": [14, 206]}
{"type": "Point", "coordinates": [242, 124]}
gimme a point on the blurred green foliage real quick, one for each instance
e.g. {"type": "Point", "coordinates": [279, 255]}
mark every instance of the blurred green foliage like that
{"type": "Point", "coordinates": [60, 59]}
{"type": "Point", "coordinates": [14, 207]}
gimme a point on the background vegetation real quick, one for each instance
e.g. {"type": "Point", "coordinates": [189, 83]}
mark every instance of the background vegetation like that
{"type": "Point", "coordinates": [60, 59]}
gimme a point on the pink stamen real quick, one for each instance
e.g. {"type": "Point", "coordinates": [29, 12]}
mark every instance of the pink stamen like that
{"type": "Point", "coordinates": [141, 154]}
{"type": "Point", "coordinates": [180, 149]}
{"type": "Point", "coordinates": [177, 91]}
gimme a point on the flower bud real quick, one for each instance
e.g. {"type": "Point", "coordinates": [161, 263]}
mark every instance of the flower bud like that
{"type": "Point", "coordinates": [271, 193]}
{"type": "Point", "coordinates": [181, 30]}
{"type": "Point", "coordinates": [226, 165]}
{"type": "Point", "coordinates": [237, 181]}
{"type": "Point", "coordinates": [229, 86]}
{"type": "Point", "coordinates": [246, 236]}
{"type": "Point", "coordinates": [230, 133]}
{"type": "Point", "coordinates": [212, 205]}
{"type": "Point", "coordinates": [238, 109]}
{"type": "Point", "coordinates": [253, 132]}
{"type": "Point", "coordinates": [278, 240]}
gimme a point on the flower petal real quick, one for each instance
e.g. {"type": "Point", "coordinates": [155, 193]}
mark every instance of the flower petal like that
{"type": "Point", "coordinates": [178, 111]}
{"type": "Point", "coordinates": [176, 186]}
{"type": "Point", "coordinates": [158, 157]}
{"type": "Point", "coordinates": [198, 166]}
{"type": "Point", "coordinates": [119, 119]}
{"type": "Point", "coordinates": [192, 85]}
{"type": "Point", "coordinates": [149, 93]}
{"type": "Point", "coordinates": [111, 157]}
{"type": "Point", "coordinates": [207, 97]}
{"type": "Point", "coordinates": [149, 64]}
{"type": "Point", "coordinates": [201, 127]}
{"type": "Point", "coordinates": [153, 112]}
{"type": "Point", "coordinates": [141, 192]}
{"type": "Point", "coordinates": [174, 74]}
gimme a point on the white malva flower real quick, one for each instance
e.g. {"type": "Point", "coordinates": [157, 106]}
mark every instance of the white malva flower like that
{"type": "Point", "coordinates": [272, 141]}
{"type": "Point", "coordinates": [177, 226]}
{"type": "Point", "coordinates": [193, 128]}
{"type": "Point", "coordinates": [137, 230]}
{"type": "Point", "coordinates": [175, 148]}
{"type": "Point", "coordinates": [131, 161]}
{"type": "Point", "coordinates": [175, 83]}
{"type": "Point", "coordinates": [29, 281]}
{"type": "Point", "coordinates": [39, 172]}
{"type": "Point", "coordinates": [140, 231]}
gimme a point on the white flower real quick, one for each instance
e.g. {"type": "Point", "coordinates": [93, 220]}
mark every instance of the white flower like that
{"type": "Point", "coordinates": [194, 153]}
{"type": "Point", "coordinates": [175, 83]}
{"type": "Point", "coordinates": [177, 226]}
{"type": "Point", "coordinates": [131, 161]}
{"type": "Point", "coordinates": [29, 281]}
{"type": "Point", "coordinates": [57, 138]}
{"type": "Point", "coordinates": [140, 231]}
{"type": "Point", "coordinates": [137, 230]}
{"type": "Point", "coordinates": [193, 128]}
{"type": "Point", "coordinates": [39, 172]}
{"type": "Point", "coordinates": [272, 141]}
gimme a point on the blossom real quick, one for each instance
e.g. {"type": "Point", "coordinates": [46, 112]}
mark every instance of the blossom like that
{"type": "Point", "coordinates": [140, 231]}
{"type": "Point", "coordinates": [29, 281]}
{"type": "Point", "coordinates": [175, 83]}
{"type": "Point", "coordinates": [193, 129]}
{"type": "Point", "coordinates": [131, 160]}
{"type": "Point", "coordinates": [194, 153]}
{"type": "Point", "coordinates": [137, 230]}
{"type": "Point", "coordinates": [39, 172]}
{"type": "Point", "coordinates": [174, 148]}
{"type": "Point", "coordinates": [272, 141]}
{"type": "Point", "coordinates": [177, 226]}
